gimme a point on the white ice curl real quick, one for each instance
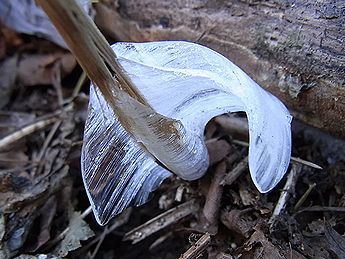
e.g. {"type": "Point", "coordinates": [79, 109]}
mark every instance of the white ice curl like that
{"type": "Point", "coordinates": [192, 84]}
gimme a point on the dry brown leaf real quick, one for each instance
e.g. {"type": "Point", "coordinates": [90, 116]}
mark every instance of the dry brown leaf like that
{"type": "Point", "coordinates": [22, 207]}
{"type": "Point", "coordinates": [78, 231]}
{"type": "Point", "coordinates": [249, 196]}
{"type": "Point", "coordinates": [336, 241]}
{"type": "Point", "coordinates": [315, 247]}
{"type": "Point", "coordinates": [210, 129]}
{"type": "Point", "coordinates": [258, 246]}
{"type": "Point", "coordinates": [39, 69]}
{"type": "Point", "coordinates": [29, 69]}
{"type": "Point", "coordinates": [316, 227]}
{"type": "Point", "coordinates": [47, 213]}
{"type": "Point", "coordinates": [238, 221]}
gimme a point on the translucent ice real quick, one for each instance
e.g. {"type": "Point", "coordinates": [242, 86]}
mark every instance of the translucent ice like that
{"type": "Point", "coordinates": [186, 85]}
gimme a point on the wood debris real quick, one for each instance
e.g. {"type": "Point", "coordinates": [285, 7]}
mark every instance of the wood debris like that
{"type": "Point", "coordinates": [162, 221]}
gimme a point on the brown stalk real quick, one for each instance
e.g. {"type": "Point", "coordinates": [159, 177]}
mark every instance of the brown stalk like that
{"type": "Point", "coordinates": [90, 48]}
{"type": "Point", "coordinates": [101, 65]}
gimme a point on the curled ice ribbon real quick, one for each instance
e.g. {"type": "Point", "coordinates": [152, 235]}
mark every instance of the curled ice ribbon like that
{"type": "Point", "coordinates": [127, 154]}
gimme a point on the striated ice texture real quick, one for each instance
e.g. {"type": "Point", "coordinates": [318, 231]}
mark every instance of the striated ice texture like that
{"type": "Point", "coordinates": [116, 171]}
{"type": "Point", "coordinates": [190, 84]}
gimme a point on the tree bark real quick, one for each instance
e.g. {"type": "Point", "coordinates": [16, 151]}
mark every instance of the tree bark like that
{"type": "Point", "coordinates": [294, 49]}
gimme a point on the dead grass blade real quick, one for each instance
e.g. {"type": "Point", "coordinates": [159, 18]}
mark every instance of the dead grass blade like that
{"type": "Point", "coordinates": [295, 159]}
{"type": "Point", "coordinates": [235, 173]}
{"type": "Point", "coordinates": [25, 131]}
{"type": "Point", "coordinates": [285, 194]}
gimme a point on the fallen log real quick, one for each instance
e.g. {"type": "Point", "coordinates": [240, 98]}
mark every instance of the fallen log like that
{"type": "Point", "coordinates": [295, 49]}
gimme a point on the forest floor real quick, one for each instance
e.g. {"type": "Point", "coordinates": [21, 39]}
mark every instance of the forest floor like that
{"type": "Point", "coordinates": [45, 213]}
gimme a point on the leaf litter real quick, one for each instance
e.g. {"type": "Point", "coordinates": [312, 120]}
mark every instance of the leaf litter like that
{"type": "Point", "coordinates": [42, 192]}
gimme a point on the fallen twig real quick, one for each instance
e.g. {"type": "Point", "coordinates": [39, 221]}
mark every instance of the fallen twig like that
{"type": "Point", "coordinates": [162, 221]}
{"type": "Point", "coordinates": [305, 162]}
{"type": "Point", "coordinates": [235, 220]}
{"type": "Point", "coordinates": [235, 173]}
{"type": "Point", "coordinates": [39, 124]}
{"type": "Point", "coordinates": [285, 194]}
{"type": "Point", "coordinates": [197, 248]}
{"type": "Point", "coordinates": [25, 131]}
{"type": "Point", "coordinates": [213, 197]}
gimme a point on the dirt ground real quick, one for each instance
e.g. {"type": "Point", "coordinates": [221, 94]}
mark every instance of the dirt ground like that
{"type": "Point", "coordinates": [44, 211]}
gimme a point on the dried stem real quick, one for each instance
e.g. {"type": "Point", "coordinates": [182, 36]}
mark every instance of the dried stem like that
{"type": "Point", "coordinates": [213, 198]}
{"type": "Point", "coordinates": [79, 84]}
{"type": "Point", "coordinates": [95, 56]}
{"type": "Point", "coordinates": [197, 248]}
{"type": "Point", "coordinates": [235, 173]}
{"type": "Point", "coordinates": [285, 194]}
{"type": "Point", "coordinates": [305, 162]}
{"type": "Point", "coordinates": [101, 65]}
{"type": "Point", "coordinates": [161, 221]}
{"type": "Point", "coordinates": [295, 159]}
{"type": "Point", "coordinates": [45, 146]}
{"type": "Point", "coordinates": [304, 197]}
{"type": "Point", "coordinates": [25, 131]}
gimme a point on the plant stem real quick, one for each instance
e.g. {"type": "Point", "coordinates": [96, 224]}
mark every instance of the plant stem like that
{"type": "Point", "coordinates": [90, 48]}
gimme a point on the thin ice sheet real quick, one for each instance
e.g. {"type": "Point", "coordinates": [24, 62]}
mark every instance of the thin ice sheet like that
{"type": "Point", "coordinates": [190, 84]}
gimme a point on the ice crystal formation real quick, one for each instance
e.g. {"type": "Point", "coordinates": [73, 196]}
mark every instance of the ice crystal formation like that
{"type": "Point", "coordinates": [187, 84]}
